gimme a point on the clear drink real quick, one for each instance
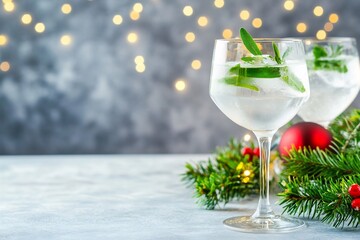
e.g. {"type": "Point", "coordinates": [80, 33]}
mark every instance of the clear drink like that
{"type": "Point", "coordinates": [335, 84]}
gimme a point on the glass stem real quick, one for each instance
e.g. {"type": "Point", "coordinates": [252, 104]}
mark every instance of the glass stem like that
{"type": "Point", "coordinates": [264, 209]}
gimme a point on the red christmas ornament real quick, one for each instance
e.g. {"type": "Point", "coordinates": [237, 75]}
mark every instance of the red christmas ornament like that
{"type": "Point", "coordinates": [256, 152]}
{"type": "Point", "coordinates": [354, 190]}
{"type": "Point", "coordinates": [355, 204]}
{"type": "Point", "coordinates": [304, 134]}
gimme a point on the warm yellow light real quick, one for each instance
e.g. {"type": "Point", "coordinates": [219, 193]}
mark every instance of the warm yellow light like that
{"type": "Point", "coordinates": [140, 68]}
{"type": "Point", "coordinates": [138, 7]}
{"type": "Point", "coordinates": [202, 21]}
{"type": "Point", "coordinates": [257, 22]}
{"type": "Point", "coordinates": [246, 180]}
{"type": "Point", "coordinates": [196, 64]}
{"type": "Point", "coordinates": [244, 15]}
{"type": "Point", "coordinates": [117, 19]}
{"type": "Point", "coordinates": [3, 40]}
{"type": "Point", "coordinates": [188, 10]}
{"type": "Point", "coordinates": [66, 8]}
{"type": "Point", "coordinates": [301, 27]}
{"type": "Point", "coordinates": [6, 1]}
{"type": "Point", "coordinates": [247, 173]}
{"type": "Point", "coordinates": [219, 3]}
{"type": "Point", "coordinates": [190, 37]}
{"type": "Point", "coordinates": [5, 66]}
{"type": "Point", "coordinates": [139, 59]}
{"type": "Point", "coordinates": [318, 11]}
{"type": "Point", "coordinates": [66, 40]}
{"type": "Point", "coordinates": [134, 15]}
{"type": "Point", "coordinates": [328, 27]}
{"type": "Point", "coordinates": [334, 18]}
{"type": "Point", "coordinates": [321, 34]}
{"type": "Point", "coordinates": [247, 137]}
{"type": "Point", "coordinates": [132, 37]}
{"type": "Point", "coordinates": [289, 5]}
{"type": "Point", "coordinates": [9, 6]}
{"type": "Point", "coordinates": [40, 27]}
{"type": "Point", "coordinates": [227, 33]}
{"type": "Point", "coordinates": [26, 18]}
{"type": "Point", "coordinates": [180, 85]}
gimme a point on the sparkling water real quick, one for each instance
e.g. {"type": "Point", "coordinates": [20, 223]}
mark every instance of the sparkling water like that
{"type": "Point", "coordinates": [271, 107]}
{"type": "Point", "coordinates": [331, 92]}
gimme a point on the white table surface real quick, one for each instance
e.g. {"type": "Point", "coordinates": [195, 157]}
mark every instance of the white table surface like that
{"type": "Point", "coordinates": [118, 197]}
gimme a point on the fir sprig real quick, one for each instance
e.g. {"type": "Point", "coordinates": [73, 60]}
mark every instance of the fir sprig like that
{"type": "Point", "coordinates": [228, 176]}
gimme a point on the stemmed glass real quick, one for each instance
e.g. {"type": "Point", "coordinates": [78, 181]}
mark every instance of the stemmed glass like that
{"type": "Point", "coordinates": [334, 73]}
{"type": "Point", "coordinates": [261, 93]}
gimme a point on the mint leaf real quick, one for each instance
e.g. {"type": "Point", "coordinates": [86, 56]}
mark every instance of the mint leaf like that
{"type": "Point", "coordinates": [290, 79]}
{"type": "Point", "coordinates": [329, 64]}
{"type": "Point", "coordinates": [249, 42]}
{"type": "Point", "coordinates": [261, 72]}
{"type": "Point", "coordinates": [277, 54]}
{"type": "Point", "coordinates": [240, 81]}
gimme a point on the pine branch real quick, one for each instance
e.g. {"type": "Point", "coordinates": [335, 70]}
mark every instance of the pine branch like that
{"type": "Point", "coordinates": [223, 178]}
{"type": "Point", "coordinates": [324, 199]}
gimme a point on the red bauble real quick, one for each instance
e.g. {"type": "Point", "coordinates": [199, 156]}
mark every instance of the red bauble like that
{"type": "Point", "coordinates": [355, 204]}
{"type": "Point", "coordinates": [354, 190]}
{"type": "Point", "coordinates": [304, 134]}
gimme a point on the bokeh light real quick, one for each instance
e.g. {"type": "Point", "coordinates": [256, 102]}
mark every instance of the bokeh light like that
{"type": "Point", "coordinates": [190, 37]}
{"type": "Point", "coordinates": [66, 8]}
{"type": "Point", "coordinates": [203, 21]}
{"type": "Point", "coordinates": [321, 35]}
{"type": "Point", "coordinates": [5, 66]}
{"type": "Point", "coordinates": [219, 3]}
{"type": "Point", "coordinates": [318, 11]}
{"type": "Point", "coordinates": [244, 15]}
{"type": "Point", "coordinates": [301, 27]}
{"type": "Point", "coordinates": [289, 5]}
{"type": "Point", "coordinates": [40, 27]}
{"type": "Point", "coordinates": [26, 18]}
{"type": "Point", "coordinates": [139, 59]}
{"type": "Point", "coordinates": [196, 64]}
{"type": "Point", "coordinates": [257, 22]}
{"type": "Point", "coordinates": [134, 15]}
{"type": "Point", "coordinates": [9, 6]}
{"type": "Point", "coordinates": [328, 27]}
{"type": "Point", "coordinates": [333, 18]}
{"type": "Point", "coordinates": [66, 40]}
{"type": "Point", "coordinates": [188, 10]}
{"type": "Point", "coordinates": [180, 85]}
{"type": "Point", "coordinates": [138, 7]}
{"type": "Point", "coordinates": [117, 19]}
{"type": "Point", "coordinates": [140, 68]}
{"type": "Point", "coordinates": [227, 33]}
{"type": "Point", "coordinates": [3, 40]}
{"type": "Point", "coordinates": [132, 37]}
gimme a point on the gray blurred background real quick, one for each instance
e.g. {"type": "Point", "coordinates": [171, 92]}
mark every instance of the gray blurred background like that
{"type": "Point", "coordinates": [109, 76]}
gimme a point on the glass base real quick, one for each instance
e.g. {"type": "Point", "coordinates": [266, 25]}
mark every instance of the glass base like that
{"type": "Point", "coordinates": [276, 224]}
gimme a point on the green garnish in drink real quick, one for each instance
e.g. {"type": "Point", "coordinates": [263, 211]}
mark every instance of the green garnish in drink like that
{"type": "Point", "coordinates": [324, 59]}
{"type": "Point", "coordinates": [242, 76]}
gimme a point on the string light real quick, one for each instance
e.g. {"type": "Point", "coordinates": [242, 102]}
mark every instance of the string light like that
{"type": "Point", "coordinates": [333, 18]}
{"type": "Point", "coordinates": [289, 5]}
{"type": "Point", "coordinates": [196, 64]}
{"type": "Point", "coordinates": [219, 3]}
{"type": "Point", "coordinates": [139, 59]}
{"type": "Point", "coordinates": [117, 19]}
{"type": "Point", "coordinates": [5, 66]}
{"type": "Point", "coordinates": [138, 7]}
{"type": "Point", "coordinates": [321, 35]}
{"type": "Point", "coordinates": [188, 11]}
{"type": "Point", "coordinates": [203, 21]}
{"type": "Point", "coordinates": [132, 37]}
{"type": "Point", "coordinates": [257, 22]}
{"type": "Point", "coordinates": [190, 37]}
{"type": "Point", "coordinates": [134, 15]}
{"type": "Point", "coordinates": [227, 33]}
{"type": "Point", "coordinates": [66, 40]}
{"type": "Point", "coordinates": [180, 85]}
{"type": "Point", "coordinates": [3, 40]}
{"type": "Point", "coordinates": [244, 15]}
{"type": "Point", "coordinates": [301, 27]}
{"type": "Point", "coordinates": [9, 6]}
{"type": "Point", "coordinates": [328, 27]}
{"type": "Point", "coordinates": [66, 8]}
{"type": "Point", "coordinates": [40, 27]}
{"type": "Point", "coordinates": [318, 11]}
{"type": "Point", "coordinates": [26, 18]}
